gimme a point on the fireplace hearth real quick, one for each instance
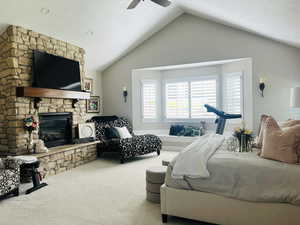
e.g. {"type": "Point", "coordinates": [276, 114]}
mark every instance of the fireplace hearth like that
{"type": "Point", "coordinates": [55, 129]}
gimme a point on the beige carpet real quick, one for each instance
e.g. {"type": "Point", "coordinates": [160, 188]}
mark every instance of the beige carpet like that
{"type": "Point", "coordinates": [102, 192]}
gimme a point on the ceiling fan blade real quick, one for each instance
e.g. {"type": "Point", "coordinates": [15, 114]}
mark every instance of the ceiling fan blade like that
{"type": "Point", "coordinates": [133, 4]}
{"type": "Point", "coordinates": [164, 3]}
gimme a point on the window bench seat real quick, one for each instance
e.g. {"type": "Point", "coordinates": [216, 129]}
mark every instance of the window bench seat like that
{"type": "Point", "coordinates": [169, 142]}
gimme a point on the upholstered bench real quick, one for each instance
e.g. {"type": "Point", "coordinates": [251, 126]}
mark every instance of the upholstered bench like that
{"type": "Point", "coordinates": [155, 177]}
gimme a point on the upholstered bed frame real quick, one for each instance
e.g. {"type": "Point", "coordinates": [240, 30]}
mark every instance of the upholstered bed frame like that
{"type": "Point", "coordinates": [216, 209]}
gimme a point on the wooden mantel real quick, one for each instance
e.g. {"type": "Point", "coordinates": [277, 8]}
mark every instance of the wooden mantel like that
{"type": "Point", "coordinates": [39, 93]}
{"type": "Point", "coordinates": [50, 93]}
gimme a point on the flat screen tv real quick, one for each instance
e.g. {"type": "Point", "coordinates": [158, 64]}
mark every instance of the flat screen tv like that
{"type": "Point", "coordinates": [55, 72]}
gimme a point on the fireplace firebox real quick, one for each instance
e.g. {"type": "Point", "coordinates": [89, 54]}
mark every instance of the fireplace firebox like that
{"type": "Point", "coordinates": [55, 129]}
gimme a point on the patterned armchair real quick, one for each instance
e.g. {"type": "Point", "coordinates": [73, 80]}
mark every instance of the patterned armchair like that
{"type": "Point", "coordinates": [128, 147]}
{"type": "Point", "coordinates": [10, 177]}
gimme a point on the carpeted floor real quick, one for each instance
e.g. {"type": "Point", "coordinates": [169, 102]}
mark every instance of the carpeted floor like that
{"type": "Point", "coordinates": [102, 192]}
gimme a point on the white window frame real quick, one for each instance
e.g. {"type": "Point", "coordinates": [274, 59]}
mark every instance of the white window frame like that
{"type": "Point", "coordinates": [161, 97]}
{"type": "Point", "coordinates": [189, 80]}
{"type": "Point", "coordinates": [158, 102]}
{"type": "Point", "coordinates": [242, 93]}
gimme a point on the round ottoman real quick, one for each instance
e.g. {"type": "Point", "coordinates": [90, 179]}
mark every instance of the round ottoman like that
{"type": "Point", "coordinates": [155, 177]}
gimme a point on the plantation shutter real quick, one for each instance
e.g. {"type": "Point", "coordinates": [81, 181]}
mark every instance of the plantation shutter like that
{"type": "Point", "coordinates": [203, 92]}
{"type": "Point", "coordinates": [149, 100]}
{"type": "Point", "coordinates": [177, 100]}
{"type": "Point", "coordinates": [232, 93]}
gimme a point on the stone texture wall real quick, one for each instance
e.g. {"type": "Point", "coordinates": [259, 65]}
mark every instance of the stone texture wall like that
{"type": "Point", "coordinates": [16, 52]}
{"type": "Point", "coordinates": [64, 160]}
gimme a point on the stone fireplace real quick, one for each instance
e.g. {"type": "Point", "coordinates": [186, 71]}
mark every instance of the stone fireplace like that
{"type": "Point", "coordinates": [16, 53]}
{"type": "Point", "coordinates": [55, 129]}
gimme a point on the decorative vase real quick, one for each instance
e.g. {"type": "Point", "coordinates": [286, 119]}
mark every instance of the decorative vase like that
{"type": "Point", "coordinates": [245, 144]}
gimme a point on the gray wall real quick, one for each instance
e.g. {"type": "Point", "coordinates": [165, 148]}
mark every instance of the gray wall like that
{"type": "Point", "coordinates": [190, 39]}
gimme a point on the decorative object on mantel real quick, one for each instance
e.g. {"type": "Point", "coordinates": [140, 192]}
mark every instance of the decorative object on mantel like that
{"type": "Point", "coordinates": [30, 125]}
{"type": "Point", "coordinates": [244, 137]}
{"type": "Point", "coordinates": [125, 93]}
{"type": "Point", "coordinates": [262, 86]}
{"type": "Point", "coordinates": [295, 103]}
{"type": "Point", "coordinates": [88, 85]}
{"type": "Point", "coordinates": [93, 104]}
{"type": "Point", "coordinates": [86, 132]}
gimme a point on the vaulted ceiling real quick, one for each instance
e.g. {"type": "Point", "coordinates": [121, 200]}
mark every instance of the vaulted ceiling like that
{"type": "Point", "coordinates": [107, 30]}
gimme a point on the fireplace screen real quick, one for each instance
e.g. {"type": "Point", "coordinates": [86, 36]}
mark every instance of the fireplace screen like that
{"type": "Point", "coordinates": [55, 128]}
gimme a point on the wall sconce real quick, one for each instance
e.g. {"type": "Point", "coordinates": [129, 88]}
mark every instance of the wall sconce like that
{"type": "Point", "coordinates": [125, 93]}
{"type": "Point", "coordinates": [262, 86]}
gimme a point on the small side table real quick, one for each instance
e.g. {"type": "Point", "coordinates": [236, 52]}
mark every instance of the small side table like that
{"type": "Point", "coordinates": [32, 164]}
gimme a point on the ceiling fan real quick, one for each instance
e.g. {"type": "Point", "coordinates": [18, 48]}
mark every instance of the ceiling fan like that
{"type": "Point", "coordinates": [164, 3]}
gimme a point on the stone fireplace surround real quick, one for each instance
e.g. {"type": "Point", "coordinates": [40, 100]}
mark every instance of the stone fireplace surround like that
{"type": "Point", "coordinates": [16, 52]}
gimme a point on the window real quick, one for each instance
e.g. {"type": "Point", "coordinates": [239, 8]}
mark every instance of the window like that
{"type": "Point", "coordinates": [203, 92]}
{"type": "Point", "coordinates": [149, 93]}
{"type": "Point", "coordinates": [177, 100]}
{"type": "Point", "coordinates": [232, 93]}
{"type": "Point", "coordinates": [184, 98]}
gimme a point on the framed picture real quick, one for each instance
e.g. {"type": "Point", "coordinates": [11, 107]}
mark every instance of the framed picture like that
{"type": "Point", "coordinates": [88, 85]}
{"type": "Point", "coordinates": [93, 104]}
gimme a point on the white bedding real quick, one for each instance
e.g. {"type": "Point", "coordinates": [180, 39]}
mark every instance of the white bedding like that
{"type": "Point", "coordinates": [192, 162]}
{"type": "Point", "coordinates": [244, 176]}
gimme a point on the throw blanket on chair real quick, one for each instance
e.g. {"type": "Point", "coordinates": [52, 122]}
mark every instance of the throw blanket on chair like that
{"type": "Point", "coordinates": [192, 162]}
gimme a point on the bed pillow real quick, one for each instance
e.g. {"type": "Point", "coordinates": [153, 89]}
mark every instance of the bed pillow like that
{"type": "Point", "coordinates": [290, 123]}
{"type": "Point", "coordinates": [259, 139]}
{"type": "Point", "coordinates": [278, 144]}
{"type": "Point", "coordinates": [123, 132]}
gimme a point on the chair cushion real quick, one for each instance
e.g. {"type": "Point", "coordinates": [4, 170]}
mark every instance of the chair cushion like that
{"type": "Point", "coordinates": [111, 132]}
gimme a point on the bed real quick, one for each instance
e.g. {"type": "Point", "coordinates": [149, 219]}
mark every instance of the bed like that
{"type": "Point", "coordinates": [206, 200]}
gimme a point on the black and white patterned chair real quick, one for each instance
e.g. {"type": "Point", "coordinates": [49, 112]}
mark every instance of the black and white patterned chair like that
{"type": "Point", "coordinates": [127, 147]}
{"type": "Point", "coordinates": [10, 177]}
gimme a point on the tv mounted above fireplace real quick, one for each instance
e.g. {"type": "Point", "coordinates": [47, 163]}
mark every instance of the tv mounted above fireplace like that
{"type": "Point", "coordinates": [55, 72]}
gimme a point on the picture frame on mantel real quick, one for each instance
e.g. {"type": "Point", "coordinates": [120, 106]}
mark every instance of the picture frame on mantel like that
{"type": "Point", "coordinates": [88, 85]}
{"type": "Point", "coordinates": [93, 104]}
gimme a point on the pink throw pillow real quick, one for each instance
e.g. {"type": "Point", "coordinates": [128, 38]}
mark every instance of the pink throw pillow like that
{"type": "Point", "coordinates": [278, 144]}
{"type": "Point", "coordinates": [259, 139]}
{"type": "Point", "coordinates": [290, 123]}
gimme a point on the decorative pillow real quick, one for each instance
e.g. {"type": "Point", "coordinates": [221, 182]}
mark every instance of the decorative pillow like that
{"type": "Point", "coordinates": [182, 130]}
{"type": "Point", "coordinates": [2, 166]}
{"type": "Point", "coordinates": [259, 139]}
{"type": "Point", "coordinates": [111, 132]}
{"type": "Point", "coordinates": [290, 123]}
{"type": "Point", "coordinates": [278, 144]}
{"type": "Point", "coordinates": [123, 132]}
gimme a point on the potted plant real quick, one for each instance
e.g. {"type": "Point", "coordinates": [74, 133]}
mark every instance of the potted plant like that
{"type": "Point", "coordinates": [245, 138]}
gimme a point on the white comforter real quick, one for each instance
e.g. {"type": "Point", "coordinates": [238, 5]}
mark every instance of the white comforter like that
{"type": "Point", "coordinates": [242, 176]}
{"type": "Point", "coordinates": [192, 161]}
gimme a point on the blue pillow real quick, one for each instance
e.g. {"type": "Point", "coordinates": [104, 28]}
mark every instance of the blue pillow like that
{"type": "Point", "coordinates": [111, 132]}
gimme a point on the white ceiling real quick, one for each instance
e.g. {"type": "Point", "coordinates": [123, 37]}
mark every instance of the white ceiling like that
{"type": "Point", "coordinates": [116, 30]}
